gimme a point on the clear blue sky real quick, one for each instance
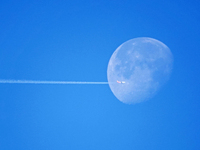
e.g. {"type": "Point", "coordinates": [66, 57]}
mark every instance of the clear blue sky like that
{"type": "Point", "coordinates": [73, 41]}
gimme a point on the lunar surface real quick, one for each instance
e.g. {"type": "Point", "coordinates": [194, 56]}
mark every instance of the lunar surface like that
{"type": "Point", "coordinates": [138, 68]}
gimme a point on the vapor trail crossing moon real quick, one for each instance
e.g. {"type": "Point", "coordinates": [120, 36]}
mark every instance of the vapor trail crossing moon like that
{"type": "Point", "coordinates": [137, 69]}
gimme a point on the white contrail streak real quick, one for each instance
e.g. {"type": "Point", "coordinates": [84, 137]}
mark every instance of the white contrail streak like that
{"type": "Point", "coordinates": [48, 82]}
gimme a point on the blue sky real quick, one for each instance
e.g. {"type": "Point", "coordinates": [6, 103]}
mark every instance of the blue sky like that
{"type": "Point", "coordinates": [73, 41]}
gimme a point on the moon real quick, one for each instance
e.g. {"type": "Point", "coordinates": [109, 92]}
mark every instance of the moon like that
{"type": "Point", "coordinates": [138, 68]}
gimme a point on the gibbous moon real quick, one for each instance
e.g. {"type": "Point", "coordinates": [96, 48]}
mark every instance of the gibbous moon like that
{"type": "Point", "coordinates": [138, 68]}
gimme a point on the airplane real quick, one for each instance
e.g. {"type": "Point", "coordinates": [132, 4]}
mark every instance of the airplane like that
{"type": "Point", "coordinates": [121, 82]}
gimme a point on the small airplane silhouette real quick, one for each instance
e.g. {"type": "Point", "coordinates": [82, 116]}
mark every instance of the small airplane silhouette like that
{"type": "Point", "coordinates": [121, 82]}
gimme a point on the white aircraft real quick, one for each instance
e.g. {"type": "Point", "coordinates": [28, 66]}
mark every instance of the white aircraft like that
{"type": "Point", "coordinates": [121, 82]}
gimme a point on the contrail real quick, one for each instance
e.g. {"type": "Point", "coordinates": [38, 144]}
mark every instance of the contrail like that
{"type": "Point", "coordinates": [47, 82]}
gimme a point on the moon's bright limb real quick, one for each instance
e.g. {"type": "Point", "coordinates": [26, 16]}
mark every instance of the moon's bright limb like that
{"type": "Point", "coordinates": [48, 82]}
{"type": "Point", "coordinates": [143, 64]}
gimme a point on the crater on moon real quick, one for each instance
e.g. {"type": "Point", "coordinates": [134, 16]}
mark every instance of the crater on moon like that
{"type": "Point", "coordinates": [138, 68]}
